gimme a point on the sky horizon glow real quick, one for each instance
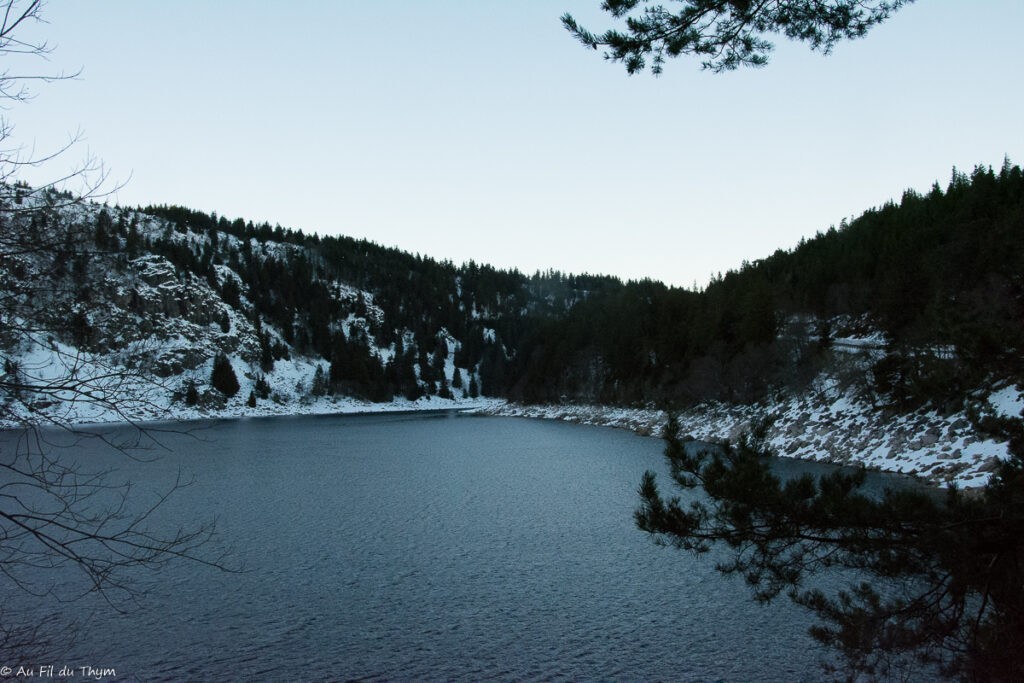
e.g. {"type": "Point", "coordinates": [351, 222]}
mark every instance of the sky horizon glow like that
{"type": "Point", "coordinates": [483, 131]}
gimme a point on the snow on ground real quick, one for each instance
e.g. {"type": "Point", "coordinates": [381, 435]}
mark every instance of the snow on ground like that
{"type": "Point", "coordinates": [1008, 401]}
{"type": "Point", "coordinates": [73, 387]}
{"type": "Point", "coordinates": [827, 426]}
{"type": "Point", "coordinates": [152, 402]}
{"type": "Point", "coordinates": [327, 405]}
{"type": "Point", "coordinates": [873, 342]}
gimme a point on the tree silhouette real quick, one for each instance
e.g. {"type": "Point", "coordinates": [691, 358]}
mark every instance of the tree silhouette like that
{"type": "Point", "coordinates": [223, 377]}
{"type": "Point", "coordinates": [939, 580]}
{"type": "Point", "coordinates": [55, 514]}
{"type": "Point", "coordinates": [726, 34]}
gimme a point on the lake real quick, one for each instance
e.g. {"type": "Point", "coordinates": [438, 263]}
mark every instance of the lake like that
{"type": "Point", "coordinates": [426, 546]}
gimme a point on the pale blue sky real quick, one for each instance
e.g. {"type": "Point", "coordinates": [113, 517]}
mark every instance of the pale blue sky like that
{"type": "Point", "coordinates": [479, 129]}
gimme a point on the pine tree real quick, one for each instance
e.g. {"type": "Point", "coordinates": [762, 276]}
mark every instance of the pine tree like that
{"type": "Point", "coordinates": [191, 393]}
{"type": "Point", "coordinates": [252, 400]}
{"type": "Point", "coordinates": [938, 580]}
{"type": "Point", "coordinates": [726, 34]}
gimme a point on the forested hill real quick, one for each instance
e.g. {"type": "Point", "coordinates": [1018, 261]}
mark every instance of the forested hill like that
{"type": "Point", "coordinates": [940, 275]}
{"type": "Point", "coordinates": [937, 278]}
{"type": "Point", "coordinates": [420, 307]}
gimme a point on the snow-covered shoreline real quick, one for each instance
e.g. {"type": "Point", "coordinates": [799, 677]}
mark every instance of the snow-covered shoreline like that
{"type": "Point", "coordinates": [825, 426]}
{"type": "Point", "coordinates": [828, 426]}
{"type": "Point", "coordinates": [238, 410]}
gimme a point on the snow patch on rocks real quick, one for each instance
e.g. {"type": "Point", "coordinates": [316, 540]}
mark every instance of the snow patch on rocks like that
{"type": "Point", "coordinates": [829, 425]}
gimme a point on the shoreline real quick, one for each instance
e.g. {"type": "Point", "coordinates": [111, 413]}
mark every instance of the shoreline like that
{"type": "Point", "coordinates": [827, 426]}
{"type": "Point", "coordinates": [938, 450]}
{"type": "Point", "coordinates": [237, 412]}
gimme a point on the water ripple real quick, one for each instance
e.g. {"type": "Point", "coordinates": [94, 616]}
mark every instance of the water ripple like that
{"type": "Point", "coordinates": [460, 549]}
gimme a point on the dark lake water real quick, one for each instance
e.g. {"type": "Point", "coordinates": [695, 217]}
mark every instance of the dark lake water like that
{"type": "Point", "coordinates": [428, 547]}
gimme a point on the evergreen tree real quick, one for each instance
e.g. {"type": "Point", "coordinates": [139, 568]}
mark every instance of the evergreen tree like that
{"type": "Point", "coordinates": [343, 365]}
{"type": "Point", "coordinates": [230, 293]}
{"type": "Point", "coordinates": [320, 384]}
{"type": "Point", "coordinates": [426, 367]}
{"type": "Point", "coordinates": [266, 352]}
{"type": "Point", "coordinates": [104, 228]}
{"type": "Point", "coordinates": [191, 394]}
{"type": "Point", "coordinates": [726, 35]}
{"type": "Point", "coordinates": [413, 391]}
{"type": "Point", "coordinates": [492, 370]}
{"type": "Point", "coordinates": [251, 402]}
{"type": "Point", "coordinates": [262, 388]}
{"type": "Point", "coordinates": [133, 241]}
{"type": "Point", "coordinates": [405, 374]}
{"type": "Point", "coordinates": [940, 579]}
{"type": "Point", "coordinates": [223, 377]}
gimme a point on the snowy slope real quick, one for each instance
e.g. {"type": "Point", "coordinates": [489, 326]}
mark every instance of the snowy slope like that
{"type": "Point", "coordinates": [830, 425]}
{"type": "Point", "coordinates": [147, 330]}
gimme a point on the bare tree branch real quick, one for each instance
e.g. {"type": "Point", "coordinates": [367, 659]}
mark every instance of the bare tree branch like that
{"type": "Point", "coordinates": [56, 515]}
